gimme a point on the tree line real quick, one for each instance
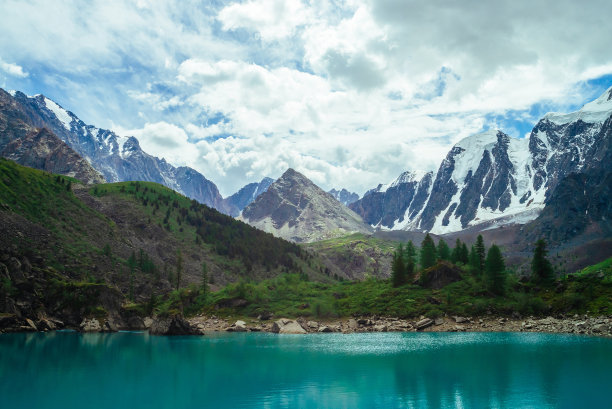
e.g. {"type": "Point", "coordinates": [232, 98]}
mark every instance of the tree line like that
{"type": "Point", "coordinates": [487, 265]}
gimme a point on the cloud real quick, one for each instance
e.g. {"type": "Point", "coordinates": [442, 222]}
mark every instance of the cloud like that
{"type": "Point", "coordinates": [351, 93]}
{"type": "Point", "coordinates": [271, 19]}
{"type": "Point", "coordinates": [13, 69]}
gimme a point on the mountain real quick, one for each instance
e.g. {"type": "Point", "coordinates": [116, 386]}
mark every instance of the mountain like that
{"type": "Point", "coordinates": [344, 196]}
{"type": "Point", "coordinates": [491, 179]}
{"type": "Point", "coordinates": [64, 248]}
{"type": "Point", "coordinates": [38, 147]}
{"type": "Point", "coordinates": [296, 209]}
{"type": "Point", "coordinates": [117, 158]}
{"type": "Point", "coordinates": [242, 198]}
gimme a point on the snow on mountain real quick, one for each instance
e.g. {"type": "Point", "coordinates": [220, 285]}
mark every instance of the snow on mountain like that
{"type": "Point", "coordinates": [344, 196]}
{"type": "Point", "coordinates": [594, 112]}
{"type": "Point", "coordinates": [60, 113]}
{"type": "Point", "coordinates": [491, 177]}
{"type": "Point", "coordinates": [118, 158]}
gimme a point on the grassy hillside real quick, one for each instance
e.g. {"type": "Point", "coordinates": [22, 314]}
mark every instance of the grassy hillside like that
{"type": "Point", "coordinates": [124, 237]}
{"type": "Point", "coordinates": [292, 296]}
{"type": "Point", "coordinates": [356, 256]}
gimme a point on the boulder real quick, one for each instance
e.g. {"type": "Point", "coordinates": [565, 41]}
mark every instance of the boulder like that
{"type": "Point", "coordinates": [325, 328]}
{"type": "Point", "coordinates": [173, 325]}
{"type": "Point", "coordinates": [439, 321]}
{"type": "Point", "coordinates": [440, 275]}
{"type": "Point", "coordinates": [352, 324]}
{"type": "Point", "coordinates": [287, 326]}
{"type": "Point", "coordinates": [90, 325]}
{"type": "Point", "coordinates": [264, 316]}
{"type": "Point", "coordinates": [136, 323]}
{"type": "Point", "coordinates": [312, 324]}
{"type": "Point", "coordinates": [148, 321]}
{"type": "Point", "coordinates": [460, 320]}
{"type": "Point", "coordinates": [380, 328]}
{"type": "Point", "coordinates": [239, 326]}
{"type": "Point", "coordinates": [424, 323]}
{"type": "Point", "coordinates": [31, 324]}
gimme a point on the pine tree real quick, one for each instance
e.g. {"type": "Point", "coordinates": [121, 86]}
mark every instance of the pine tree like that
{"type": "Point", "coordinates": [541, 268]}
{"type": "Point", "coordinates": [410, 253]}
{"type": "Point", "coordinates": [443, 250]}
{"type": "Point", "coordinates": [464, 255]}
{"type": "Point", "coordinates": [179, 268]}
{"type": "Point", "coordinates": [428, 252]}
{"type": "Point", "coordinates": [456, 253]}
{"type": "Point", "coordinates": [473, 260]}
{"type": "Point", "coordinates": [398, 271]}
{"type": "Point", "coordinates": [495, 270]}
{"type": "Point", "coordinates": [480, 250]}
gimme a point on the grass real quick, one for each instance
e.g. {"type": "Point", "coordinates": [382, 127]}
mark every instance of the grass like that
{"type": "Point", "coordinates": [292, 295]}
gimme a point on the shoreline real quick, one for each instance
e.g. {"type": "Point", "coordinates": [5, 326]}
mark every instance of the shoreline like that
{"type": "Point", "coordinates": [580, 325]}
{"type": "Point", "coordinates": [202, 325]}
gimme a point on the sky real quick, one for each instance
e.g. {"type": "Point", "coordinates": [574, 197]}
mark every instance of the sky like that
{"type": "Point", "coordinates": [350, 93]}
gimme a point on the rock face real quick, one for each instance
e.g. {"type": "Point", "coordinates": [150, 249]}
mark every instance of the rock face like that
{"type": "Point", "coordinates": [117, 158]}
{"type": "Point", "coordinates": [440, 275]}
{"type": "Point", "coordinates": [491, 179]}
{"type": "Point", "coordinates": [245, 196]}
{"type": "Point", "coordinates": [344, 196]}
{"type": "Point", "coordinates": [296, 209]}
{"type": "Point", "coordinates": [175, 325]}
{"type": "Point", "coordinates": [38, 147]}
{"type": "Point", "coordinates": [286, 326]}
{"type": "Point", "coordinates": [580, 201]}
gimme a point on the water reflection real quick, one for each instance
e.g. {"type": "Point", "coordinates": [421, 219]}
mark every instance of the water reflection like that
{"type": "Point", "coordinates": [323, 370]}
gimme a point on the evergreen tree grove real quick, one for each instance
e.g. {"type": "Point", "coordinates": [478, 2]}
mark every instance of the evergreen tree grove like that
{"type": "Point", "coordinates": [541, 268]}
{"type": "Point", "coordinates": [428, 252]}
{"type": "Point", "coordinates": [495, 270]}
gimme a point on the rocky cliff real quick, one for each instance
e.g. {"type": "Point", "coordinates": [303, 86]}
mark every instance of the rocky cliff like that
{"type": "Point", "coordinates": [296, 209]}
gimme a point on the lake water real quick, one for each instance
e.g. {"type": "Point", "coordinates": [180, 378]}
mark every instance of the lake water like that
{"type": "Point", "coordinates": [387, 370]}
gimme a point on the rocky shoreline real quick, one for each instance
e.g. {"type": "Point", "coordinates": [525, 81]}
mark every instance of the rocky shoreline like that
{"type": "Point", "coordinates": [202, 325]}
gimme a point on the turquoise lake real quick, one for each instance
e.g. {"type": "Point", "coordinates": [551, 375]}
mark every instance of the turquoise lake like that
{"type": "Point", "coordinates": [387, 370]}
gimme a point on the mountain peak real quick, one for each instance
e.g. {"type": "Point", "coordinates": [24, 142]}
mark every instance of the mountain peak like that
{"type": "Point", "coordinates": [296, 209]}
{"type": "Point", "coordinates": [596, 111]}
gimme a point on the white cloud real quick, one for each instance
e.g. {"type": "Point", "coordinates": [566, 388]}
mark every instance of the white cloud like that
{"type": "Point", "coordinates": [351, 93]}
{"type": "Point", "coordinates": [13, 69]}
{"type": "Point", "coordinates": [271, 19]}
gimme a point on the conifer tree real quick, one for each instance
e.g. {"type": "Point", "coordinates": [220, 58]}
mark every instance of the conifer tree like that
{"type": "Point", "coordinates": [428, 252]}
{"type": "Point", "coordinates": [495, 270]}
{"type": "Point", "coordinates": [541, 268]}
{"type": "Point", "coordinates": [456, 253]}
{"type": "Point", "coordinates": [410, 253]}
{"type": "Point", "coordinates": [464, 255]}
{"type": "Point", "coordinates": [480, 250]}
{"type": "Point", "coordinates": [398, 271]}
{"type": "Point", "coordinates": [443, 250]}
{"type": "Point", "coordinates": [473, 260]}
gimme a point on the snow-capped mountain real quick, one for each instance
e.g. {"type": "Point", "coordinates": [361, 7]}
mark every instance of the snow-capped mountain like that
{"type": "Point", "coordinates": [39, 148]}
{"type": "Point", "coordinates": [245, 196]}
{"type": "Point", "coordinates": [344, 196]}
{"type": "Point", "coordinates": [118, 158]}
{"type": "Point", "coordinates": [296, 209]}
{"type": "Point", "coordinates": [491, 178]}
